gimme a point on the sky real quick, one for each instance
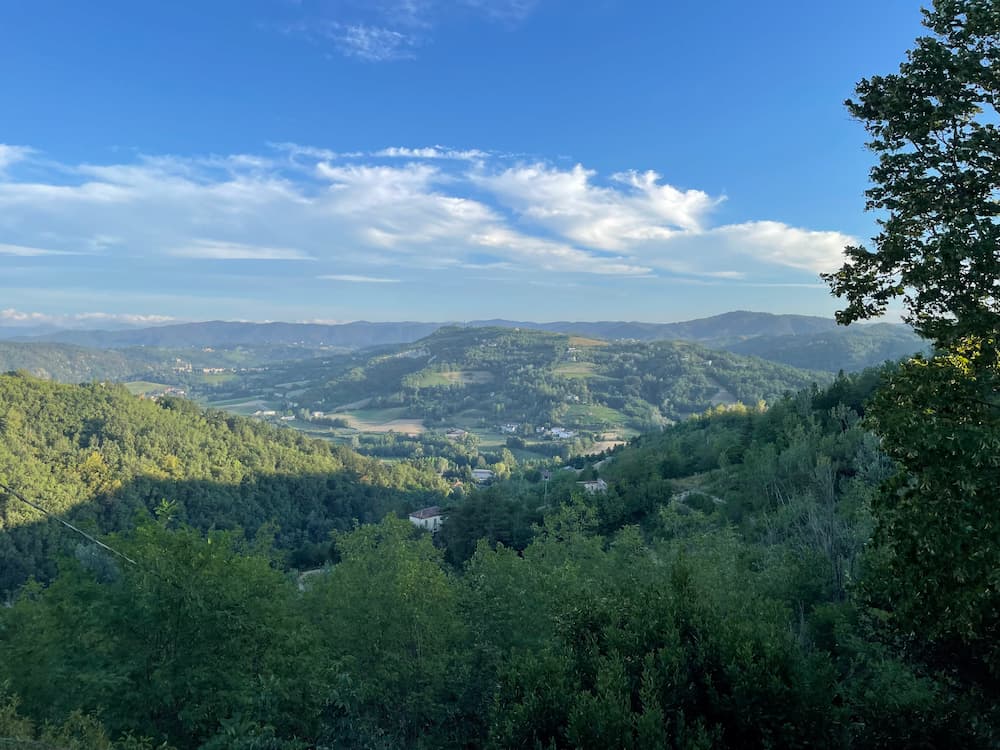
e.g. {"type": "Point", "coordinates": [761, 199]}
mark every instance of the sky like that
{"type": "Point", "coordinates": [337, 160]}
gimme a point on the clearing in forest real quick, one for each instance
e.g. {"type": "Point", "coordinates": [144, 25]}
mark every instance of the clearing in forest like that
{"type": "Point", "coordinates": [583, 342]}
{"type": "Point", "coordinates": [430, 378]}
{"type": "Point", "coordinates": [383, 420]}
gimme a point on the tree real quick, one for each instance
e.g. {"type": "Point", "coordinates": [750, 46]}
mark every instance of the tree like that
{"type": "Point", "coordinates": [937, 540]}
{"type": "Point", "coordinates": [937, 180]}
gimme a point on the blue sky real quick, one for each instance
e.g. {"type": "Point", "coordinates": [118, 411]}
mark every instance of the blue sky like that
{"type": "Point", "coordinates": [431, 159]}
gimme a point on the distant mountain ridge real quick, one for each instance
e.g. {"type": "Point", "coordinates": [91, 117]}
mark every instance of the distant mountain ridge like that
{"type": "Point", "coordinates": [804, 341]}
{"type": "Point", "coordinates": [362, 334]}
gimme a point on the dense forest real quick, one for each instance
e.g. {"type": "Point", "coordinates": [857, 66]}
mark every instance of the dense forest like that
{"type": "Point", "coordinates": [718, 594]}
{"type": "Point", "coordinates": [108, 460]}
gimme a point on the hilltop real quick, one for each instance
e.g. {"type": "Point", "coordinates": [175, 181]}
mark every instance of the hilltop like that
{"type": "Point", "coordinates": [524, 380]}
{"type": "Point", "coordinates": [799, 340]}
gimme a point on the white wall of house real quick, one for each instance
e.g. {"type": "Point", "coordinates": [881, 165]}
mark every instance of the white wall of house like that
{"type": "Point", "coordinates": [432, 524]}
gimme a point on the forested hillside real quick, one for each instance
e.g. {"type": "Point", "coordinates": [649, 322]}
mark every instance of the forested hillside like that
{"type": "Point", "coordinates": [107, 460]}
{"type": "Point", "coordinates": [798, 340]}
{"type": "Point", "coordinates": [536, 377]}
{"type": "Point", "coordinates": [848, 349]}
{"type": "Point", "coordinates": [67, 363]}
{"type": "Point", "coordinates": [712, 596]}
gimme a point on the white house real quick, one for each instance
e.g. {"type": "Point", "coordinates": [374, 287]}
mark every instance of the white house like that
{"type": "Point", "coordinates": [427, 518]}
{"type": "Point", "coordinates": [594, 487]}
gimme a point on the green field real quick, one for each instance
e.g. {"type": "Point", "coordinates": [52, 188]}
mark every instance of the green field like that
{"type": "Point", "coordinates": [244, 407]}
{"type": "Point", "coordinates": [382, 420]}
{"type": "Point", "coordinates": [575, 369]}
{"type": "Point", "coordinates": [227, 402]}
{"type": "Point", "coordinates": [431, 378]}
{"type": "Point", "coordinates": [216, 378]}
{"type": "Point", "coordinates": [583, 342]}
{"type": "Point", "coordinates": [138, 387]}
{"type": "Point", "coordinates": [593, 414]}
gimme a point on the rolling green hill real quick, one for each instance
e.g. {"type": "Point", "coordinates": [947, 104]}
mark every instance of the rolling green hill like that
{"type": "Point", "coordinates": [849, 349]}
{"type": "Point", "coordinates": [106, 459]}
{"type": "Point", "coordinates": [475, 376]}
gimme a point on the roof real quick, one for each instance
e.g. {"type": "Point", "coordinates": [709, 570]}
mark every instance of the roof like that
{"type": "Point", "coordinates": [424, 513]}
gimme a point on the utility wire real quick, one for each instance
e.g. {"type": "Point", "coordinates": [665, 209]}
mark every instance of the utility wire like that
{"type": "Point", "coordinates": [17, 495]}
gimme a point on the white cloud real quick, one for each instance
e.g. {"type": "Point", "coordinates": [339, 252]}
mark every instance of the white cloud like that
{"type": "Point", "coordinates": [430, 152]}
{"type": "Point", "coordinates": [635, 208]}
{"type": "Point", "coordinates": [214, 250]}
{"type": "Point", "coordinates": [14, 317]}
{"type": "Point", "coordinates": [780, 244]}
{"type": "Point", "coordinates": [356, 279]}
{"type": "Point", "coordinates": [433, 209]}
{"type": "Point", "coordinates": [548, 255]}
{"type": "Point", "coordinates": [23, 251]}
{"type": "Point", "coordinates": [12, 154]}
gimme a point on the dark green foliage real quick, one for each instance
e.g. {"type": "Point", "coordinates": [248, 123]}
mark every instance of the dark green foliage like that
{"type": "Point", "coordinates": [938, 529]}
{"type": "Point", "coordinates": [934, 560]}
{"type": "Point", "coordinates": [705, 600]}
{"type": "Point", "coordinates": [933, 126]}
{"type": "Point", "coordinates": [106, 458]}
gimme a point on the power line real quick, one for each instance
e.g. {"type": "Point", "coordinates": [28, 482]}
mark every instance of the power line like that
{"type": "Point", "coordinates": [17, 495]}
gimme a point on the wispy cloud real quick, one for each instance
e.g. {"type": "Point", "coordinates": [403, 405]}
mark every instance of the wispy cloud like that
{"type": "Point", "coordinates": [23, 251]}
{"type": "Point", "coordinates": [373, 43]}
{"type": "Point", "coordinates": [12, 154]}
{"type": "Point", "coordinates": [213, 250]}
{"type": "Point", "coordinates": [504, 10]}
{"type": "Point", "coordinates": [388, 30]}
{"type": "Point", "coordinates": [357, 279]}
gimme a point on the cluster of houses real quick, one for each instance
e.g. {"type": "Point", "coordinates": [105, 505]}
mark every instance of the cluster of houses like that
{"type": "Point", "coordinates": [560, 433]}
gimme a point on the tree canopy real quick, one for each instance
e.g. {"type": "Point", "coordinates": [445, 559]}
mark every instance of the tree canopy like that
{"type": "Point", "coordinates": [937, 181]}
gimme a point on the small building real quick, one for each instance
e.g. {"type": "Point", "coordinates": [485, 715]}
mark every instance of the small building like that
{"type": "Point", "coordinates": [427, 518]}
{"type": "Point", "coordinates": [455, 434]}
{"type": "Point", "coordinates": [482, 475]}
{"type": "Point", "coordinates": [562, 433]}
{"type": "Point", "coordinates": [594, 487]}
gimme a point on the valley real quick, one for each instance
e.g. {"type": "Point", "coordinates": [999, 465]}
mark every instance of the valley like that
{"type": "Point", "coordinates": [399, 389]}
